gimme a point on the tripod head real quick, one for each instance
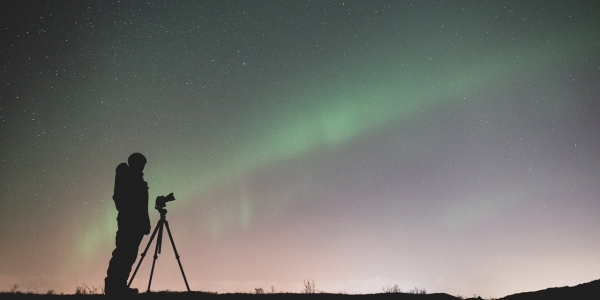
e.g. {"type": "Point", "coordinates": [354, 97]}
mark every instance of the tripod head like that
{"type": "Point", "coordinates": [163, 212]}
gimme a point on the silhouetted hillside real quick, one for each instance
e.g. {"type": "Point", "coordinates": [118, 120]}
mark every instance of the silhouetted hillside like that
{"type": "Point", "coordinates": [208, 296]}
{"type": "Point", "coordinates": [590, 290]}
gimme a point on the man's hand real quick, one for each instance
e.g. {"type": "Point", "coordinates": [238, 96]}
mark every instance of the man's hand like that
{"type": "Point", "coordinates": [147, 228]}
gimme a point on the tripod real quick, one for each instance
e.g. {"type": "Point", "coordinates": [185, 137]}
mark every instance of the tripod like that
{"type": "Point", "coordinates": [159, 228]}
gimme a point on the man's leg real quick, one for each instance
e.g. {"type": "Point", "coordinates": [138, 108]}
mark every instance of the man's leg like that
{"type": "Point", "coordinates": [131, 253]}
{"type": "Point", "coordinates": [123, 257]}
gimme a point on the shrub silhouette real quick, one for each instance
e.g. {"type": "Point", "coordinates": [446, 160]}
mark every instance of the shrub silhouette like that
{"type": "Point", "coordinates": [14, 289]}
{"type": "Point", "coordinates": [392, 290]}
{"type": "Point", "coordinates": [417, 291]}
{"type": "Point", "coordinates": [309, 286]}
{"type": "Point", "coordinates": [84, 289]}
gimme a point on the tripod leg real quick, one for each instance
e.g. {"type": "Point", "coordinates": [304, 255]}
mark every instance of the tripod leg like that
{"type": "Point", "coordinates": [160, 237]}
{"type": "Point", "coordinates": [156, 250]}
{"type": "Point", "coordinates": [176, 255]}
{"type": "Point", "coordinates": [144, 253]}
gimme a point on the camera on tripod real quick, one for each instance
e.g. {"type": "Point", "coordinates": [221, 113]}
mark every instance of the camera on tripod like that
{"type": "Point", "coordinates": [161, 201]}
{"type": "Point", "coordinates": [160, 204]}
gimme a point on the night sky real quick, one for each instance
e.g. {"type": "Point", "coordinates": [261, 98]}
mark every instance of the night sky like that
{"type": "Point", "coordinates": [448, 145]}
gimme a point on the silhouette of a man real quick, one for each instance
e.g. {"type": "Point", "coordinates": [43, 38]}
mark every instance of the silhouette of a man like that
{"type": "Point", "coordinates": [131, 199]}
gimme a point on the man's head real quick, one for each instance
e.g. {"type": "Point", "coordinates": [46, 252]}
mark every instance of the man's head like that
{"type": "Point", "coordinates": [136, 162]}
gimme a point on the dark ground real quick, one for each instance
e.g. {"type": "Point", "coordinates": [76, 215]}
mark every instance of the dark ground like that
{"type": "Point", "coordinates": [207, 296]}
{"type": "Point", "coordinates": [590, 290]}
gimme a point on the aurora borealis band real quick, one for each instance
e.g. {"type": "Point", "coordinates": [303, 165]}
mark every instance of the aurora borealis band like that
{"type": "Point", "coordinates": [449, 145]}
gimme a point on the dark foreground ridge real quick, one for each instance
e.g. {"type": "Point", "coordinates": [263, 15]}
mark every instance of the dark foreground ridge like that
{"type": "Point", "coordinates": [237, 296]}
{"type": "Point", "coordinates": [590, 290]}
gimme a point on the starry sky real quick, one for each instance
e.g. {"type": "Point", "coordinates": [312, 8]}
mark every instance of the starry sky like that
{"type": "Point", "coordinates": [448, 145]}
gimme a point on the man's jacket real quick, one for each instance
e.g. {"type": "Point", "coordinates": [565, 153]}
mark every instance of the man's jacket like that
{"type": "Point", "coordinates": [131, 198]}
